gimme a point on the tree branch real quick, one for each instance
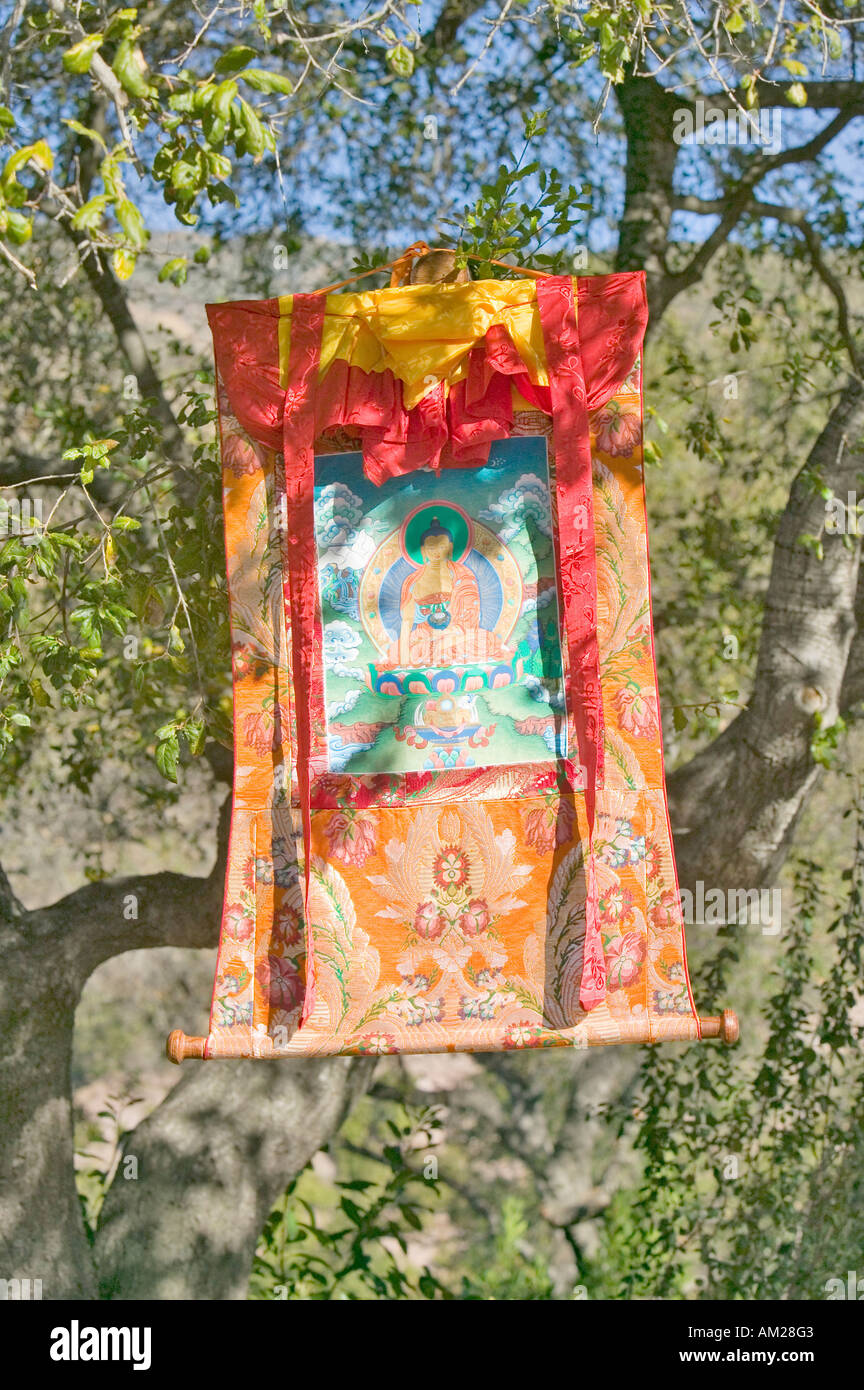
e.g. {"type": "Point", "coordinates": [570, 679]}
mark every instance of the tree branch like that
{"type": "Point", "coordinates": [10, 906]}
{"type": "Point", "coordinates": [129, 337]}
{"type": "Point", "coordinates": [19, 468]}
{"type": "Point", "coordinates": [102, 920]}
{"type": "Point", "coordinates": [212, 1160]}
{"type": "Point", "coordinates": [852, 691]}
{"type": "Point", "coordinates": [821, 96]}
{"type": "Point", "coordinates": [794, 217]}
{"type": "Point", "coordinates": [761, 767]}
{"type": "Point", "coordinates": [739, 198]}
{"type": "Point", "coordinates": [452, 15]}
{"type": "Point", "coordinates": [107, 80]}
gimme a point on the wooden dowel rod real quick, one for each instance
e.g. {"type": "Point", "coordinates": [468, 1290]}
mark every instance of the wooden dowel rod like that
{"type": "Point", "coordinates": [723, 1026]}
{"type": "Point", "coordinates": [180, 1046]}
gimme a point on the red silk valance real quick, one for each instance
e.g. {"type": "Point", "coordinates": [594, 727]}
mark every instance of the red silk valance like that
{"type": "Point", "coordinates": [452, 425]}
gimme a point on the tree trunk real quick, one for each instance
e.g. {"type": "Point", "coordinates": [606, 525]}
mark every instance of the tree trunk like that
{"type": "Point", "coordinates": [761, 767]}
{"type": "Point", "coordinates": [211, 1161]}
{"type": "Point", "coordinates": [643, 237]}
{"type": "Point", "coordinates": [41, 1227]}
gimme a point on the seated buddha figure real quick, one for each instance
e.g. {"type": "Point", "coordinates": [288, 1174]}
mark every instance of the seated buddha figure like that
{"type": "Point", "coordinates": [440, 610]}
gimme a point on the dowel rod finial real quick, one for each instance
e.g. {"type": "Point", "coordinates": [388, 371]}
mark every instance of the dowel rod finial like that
{"type": "Point", "coordinates": [723, 1026]}
{"type": "Point", "coordinates": [180, 1046]}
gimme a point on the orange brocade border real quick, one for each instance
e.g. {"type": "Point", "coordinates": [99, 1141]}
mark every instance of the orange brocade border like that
{"type": "Point", "coordinates": [381, 929]}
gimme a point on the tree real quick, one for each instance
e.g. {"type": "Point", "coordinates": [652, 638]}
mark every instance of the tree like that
{"type": "Point", "coordinates": [111, 114]}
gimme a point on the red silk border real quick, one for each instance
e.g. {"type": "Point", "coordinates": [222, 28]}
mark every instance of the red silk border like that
{"type": "Point", "coordinates": [299, 561]}
{"type": "Point", "coordinates": [577, 571]}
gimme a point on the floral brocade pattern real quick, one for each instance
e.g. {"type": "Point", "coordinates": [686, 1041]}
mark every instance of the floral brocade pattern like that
{"type": "Point", "coordinates": [447, 911]}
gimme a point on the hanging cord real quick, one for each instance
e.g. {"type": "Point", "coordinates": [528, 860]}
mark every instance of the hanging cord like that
{"type": "Point", "coordinates": [400, 268]}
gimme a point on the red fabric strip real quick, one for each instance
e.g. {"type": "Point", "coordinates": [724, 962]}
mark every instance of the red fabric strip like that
{"type": "Point", "coordinates": [246, 347]}
{"type": "Point", "coordinates": [299, 561]}
{"type": "Point", "coordinates": [613, 316]}
{"type": "Point", "coordinates": [577, 567]}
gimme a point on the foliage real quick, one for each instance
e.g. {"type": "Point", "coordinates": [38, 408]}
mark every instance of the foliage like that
{"type": "Point", "coordinates": [118, 112]}
{"type": "Point", "coordinates": [121, 613]}
{"type": "Point", "coordinates": [352, 1255]}
{"type": "Point", "coordinates": [501, 224]}
{"type": "Point", "coordinates": [511, 1270]}
{"type": "Point", "coordinates": [92, 1182]}
{"type": "Point", "coordinates": [751, 1186]}
{"type": "Point", "coordinates": [184, 108]}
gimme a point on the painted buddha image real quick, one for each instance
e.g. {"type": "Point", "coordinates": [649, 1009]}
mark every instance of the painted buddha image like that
{"type": "Point", "coordinates": [439, 603]}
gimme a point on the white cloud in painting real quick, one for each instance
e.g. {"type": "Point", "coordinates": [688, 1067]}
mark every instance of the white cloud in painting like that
{"type": "Point", "coordinates": [337, 511]}
{"type": "Point", "coordinates": [337, 707]}
{"type": "Point", "coordinates": [529, 496]}
{"type": "Point", "coordinates": [548, 693]}
{"type": "Point", "coordinates": [354, 555]}
{"type": "Point", "coordinates": [541, 600]}
{"type": "Point", "coordinates": [340, 646]}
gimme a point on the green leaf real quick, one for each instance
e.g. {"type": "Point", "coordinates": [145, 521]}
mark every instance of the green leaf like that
{"type": "Point", "coordinates": [234, 60]}
{"type": "Point", "coordinates": [79, 57]}
{"type": "Point", "coordinates": [222, 99]}
{"type": "Point", "coordinates": [185, 173]}
{"type": "Point", "coordinates": [256, 139]}
{"type": "Point", "coordinates": [123, 263]}
{"type": "Point", "coordinates": [265, 81]}
{"type": "Point", "coordinates": [168, 757]}
{"type": "Point", "coordinates": [352, 1211]}
{"type": "Point", "coordinates": [120, 22]}
{"type": "Point", "coordinates": [18, 227]}
{"type": "Point", "coordinates": [401, 60]}
{"type": "Point", "coordinates": [130, 68]}
{"type": "Point", "coordinates": [85, 130]}
{"type": "Point", "coordinates": [132, 221]}
{"type": "Point", "coordinates": [39, 693]}
{"type": "Point", "coordinates": [90, 213]}
{"type": "Point", "coordinates": [38, 153]}
{"type": "Point", "coordinates": [174, 270]}
{"type": "Point", "coordinates": [196, 736]}
{"type": "Point", "coordinates": [219, 165]}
